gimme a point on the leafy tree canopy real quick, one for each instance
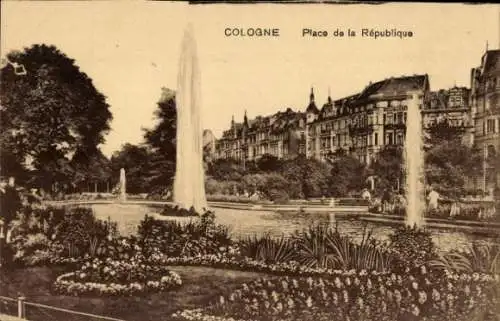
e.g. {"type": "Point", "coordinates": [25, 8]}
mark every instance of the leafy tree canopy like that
{"type": "Point", "coordinates": [347, 174]}
{"type": "Point", "coordinates": [443, 132]}
{"type": "Point", "coordinates": [51, 112]}
{"type": "Point", "coordinates": [136, 160]}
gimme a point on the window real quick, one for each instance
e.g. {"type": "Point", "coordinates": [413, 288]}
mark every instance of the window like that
{"type": "Point", "coordinates": [376, 139]}
{"type": "Point", "coordinates": [389, 139]}
{"type": "Point", "coordinates": [491, 152]}
{"type": "Point", "coordinates": [399, 139]}
{"type": "Point", "coordinates": [490, 126]}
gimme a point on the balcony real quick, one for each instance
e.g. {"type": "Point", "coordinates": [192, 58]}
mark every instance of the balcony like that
{"type": "Point", "coordinates": [360, 129]}
{"type": "Point", "coordinates": [395, 126]}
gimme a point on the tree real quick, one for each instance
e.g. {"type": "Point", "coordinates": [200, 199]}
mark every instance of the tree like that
{"type": "Point", "coordinates": [449, 164]}
{"type": "Point", "coordinates": [225, 170]}
{"type": "Point", "coordinates": [309, 174]}
{"type": "Point", "coordinates": [91, 170]}
{"type": "Point", "coordinates": [162, 140]}
{"type": "Point", "coordinates": [269, 163]}
{"type": "Point", "coordinates": [388, 167]}
{"type": "Point", "coordinates": [136, 160]}
{"type": "Point", "coordinates": [162, 137]}
{"type": "Point", "coordinates": [442, 132]}
{"type": "Point", "coordinates": [347, 175]}
{"type": "Point", "coordinates": [49, 113]}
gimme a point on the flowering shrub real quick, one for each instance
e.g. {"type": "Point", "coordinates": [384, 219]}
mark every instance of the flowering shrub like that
{"type": "Point", "coordinates": [176, 239]}
{"type": "Point", "coordinates": [110, 277]}
{"type": "Point", "coordinates": [412, 247]}
{"type": "Point", "coordinates": [31, 249]}
{"type": "Point", "coordinates": [357, 296]}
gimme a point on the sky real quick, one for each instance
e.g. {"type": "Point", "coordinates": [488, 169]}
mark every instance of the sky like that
{"type": "Point", "coordinates": [131, 50]}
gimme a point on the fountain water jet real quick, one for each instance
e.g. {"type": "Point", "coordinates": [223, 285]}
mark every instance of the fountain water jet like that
{"type": "Point", "coordinates": [414, 164]}
{"type": "Point", "coordinates": [123, 186]}
{"type": "Point", "coordinates": [189, 183]}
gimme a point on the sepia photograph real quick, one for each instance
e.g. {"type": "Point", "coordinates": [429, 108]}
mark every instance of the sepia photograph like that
{"type": "Point", "coordinates": [175, 161]}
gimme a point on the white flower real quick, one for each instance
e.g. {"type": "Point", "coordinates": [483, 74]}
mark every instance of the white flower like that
{"type": "Point", "coordinates": [415, 310]}
{"type": "Point", "coordinates": [422, 297]}
{"type": "Point", "coordinates": [309, 302]}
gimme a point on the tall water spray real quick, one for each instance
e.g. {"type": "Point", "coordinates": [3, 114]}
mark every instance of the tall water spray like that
{"type": "Point", "coordinates": [189, 183]}
{"type": "Point", "coordinates": [123, 186]}
{"type": "Point", "coordinates": [414, 161]}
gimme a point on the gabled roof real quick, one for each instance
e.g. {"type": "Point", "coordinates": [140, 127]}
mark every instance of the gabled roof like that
{"type": "Point", "coordinates": [491, 62]}
{"type": "Point", "coordinates": [395, 86]}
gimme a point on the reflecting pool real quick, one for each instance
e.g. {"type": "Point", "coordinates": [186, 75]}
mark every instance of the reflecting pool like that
{"type": "Point", "coordinates": [246, 223]}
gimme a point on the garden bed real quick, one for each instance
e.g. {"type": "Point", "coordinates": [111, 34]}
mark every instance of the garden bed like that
{"type": "Point", "coordinates": [94, 263]}
{"type": "Point", "coordinates": [200, 285]}
{"type": "Point", "coordinates": [116, 277]}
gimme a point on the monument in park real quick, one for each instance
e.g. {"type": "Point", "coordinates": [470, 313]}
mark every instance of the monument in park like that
{"type": "Point", "coordinates": [189, 182]}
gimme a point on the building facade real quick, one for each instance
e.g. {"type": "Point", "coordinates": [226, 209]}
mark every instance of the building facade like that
{"type": "Point", "coordinates": [281, 135]}
{"type": "Point", "coordinates": [452, 106]}
{"type": "Point", "coordinates": [364, 123]}
{"type": "Point", "coordinates": [360, 125]}
{"type": "Point", "coordinates": [485, 101]}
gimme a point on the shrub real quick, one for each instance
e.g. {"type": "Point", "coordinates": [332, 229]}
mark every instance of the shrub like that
{"type": "Point", "coordinates": [313, 248]}
{"type": "Point", "coordinates": [41, 233]}
{"type": "Point", "coordinates": [412, 247]}
{"type": "Point", "coordinates": [483, 258]}
{"type": "Point", "coordinates": [177, 211]}
{"type": "Point", "coordinates": [81, 233]}
{"type": "Point", "coordinates": [368, 255]}
{"type": "Point", "coordinates": [31, 249]}
{"type": "Point", "coordinates": [268, 249]}
{"type": "Point", "coordinates": [175, 239]}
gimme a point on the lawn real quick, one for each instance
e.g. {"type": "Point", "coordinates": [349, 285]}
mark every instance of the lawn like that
{"type": "Point", "coordinates": [200, 286]}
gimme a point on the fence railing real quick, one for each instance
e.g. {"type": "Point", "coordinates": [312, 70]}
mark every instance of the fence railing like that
{"type": "Point", "coordinates": [32, 311]}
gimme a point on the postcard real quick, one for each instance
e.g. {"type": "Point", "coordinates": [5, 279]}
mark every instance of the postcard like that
{"type": "Point", "coordinates": [168, 160]}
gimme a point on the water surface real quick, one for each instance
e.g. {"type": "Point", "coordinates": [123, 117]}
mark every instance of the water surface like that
{"type": "Point", "coordinates": [245, 223]}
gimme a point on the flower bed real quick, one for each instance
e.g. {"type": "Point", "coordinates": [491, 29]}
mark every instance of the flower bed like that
{"type": "Point", "coordinates": [227, 260]}
{"type": "Point", "coordinates": [357, 297]}
{"type": "Point", "coordinates": [110, 277]}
